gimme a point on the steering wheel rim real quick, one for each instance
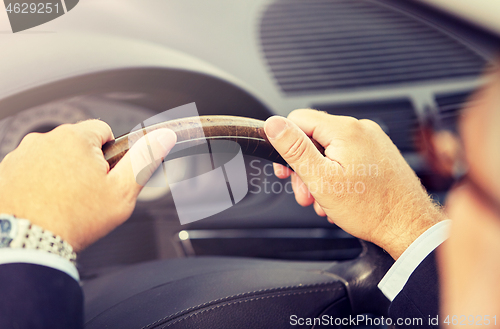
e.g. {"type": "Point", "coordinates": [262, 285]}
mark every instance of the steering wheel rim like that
{"type": "Point", "coordinates": [248, 133]}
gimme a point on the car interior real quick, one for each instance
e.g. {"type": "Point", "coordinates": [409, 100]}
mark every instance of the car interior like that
{"type": "Point", "coordinates": [407, 65]}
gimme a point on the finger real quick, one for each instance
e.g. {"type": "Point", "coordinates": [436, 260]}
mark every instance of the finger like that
{"type": "Point", "coordinates": [99, 131]}
{"type": "Point", "coordinates": [281, 171]}
{"type": "Point", "coordinates": [321, 126]}
{"type": "Point", "coordinates": [302, 194]}
{"type": "Point", "coordinates": [137, 166]}
{"type": "Point", "coordinates": [334, 132]}
{"type": "Point", "coordinates": [296, 149]}
{"type": "Point", "coordinates": [319, 210]}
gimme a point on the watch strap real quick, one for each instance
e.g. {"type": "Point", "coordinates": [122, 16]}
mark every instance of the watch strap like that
{"type": "Point", "coordinates": [30, 236]}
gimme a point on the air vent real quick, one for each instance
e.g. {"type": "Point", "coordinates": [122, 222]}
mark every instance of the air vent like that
{"type": "Point", "coordinates": [331, 45]}
{"type": "Point", "coordinates": [396, 117]}
{"type": "Point", "coordinates": [450, 106]}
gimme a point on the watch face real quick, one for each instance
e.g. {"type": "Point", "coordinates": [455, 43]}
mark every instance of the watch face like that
{"type": "Point", "coordinates": [5, 226]}
{"type": "Point", "coordinates": [5, 233]}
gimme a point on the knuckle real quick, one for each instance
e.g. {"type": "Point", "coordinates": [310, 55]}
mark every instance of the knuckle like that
{"type": "Point", "coordinates": [353, 125]}
{"type": "Point", "coordinates": [99, 123]}
{"type": "Point", "coordinates": [7, 157]}
{"type": "Point", "coordinates": [301, 113]}
{"type": "Point", "coordinates": [351, 121]}
{"type": "Point", "coordinates": [295, 113]}
{"type": "Point", "coordinates": [95, 121]}
{"type": "Point", "coordinates": [70, 132]}
{"type": "Point", "coordinates": [373, 130]}
{"type": "Point", "coordinates": [65, 129]}
{"type": "Point", "coordinates": [296, 150]}
{"type": "Point", "coordinates": [30, 138]}
{"type": "Point", "coordinates": [370, 124]}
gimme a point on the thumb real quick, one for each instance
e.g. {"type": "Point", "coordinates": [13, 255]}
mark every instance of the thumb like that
{"type": "Point", "coordinates": [143, 158]}
{"type": "Point", "coordinates": [296, 149]}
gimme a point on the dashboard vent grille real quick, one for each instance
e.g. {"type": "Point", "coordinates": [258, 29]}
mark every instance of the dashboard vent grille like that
{"type": "Point", "coordinates": [330, 45]}
{"type": "Point", "coordinates": [449, 108]}
{"type": "Point", "coordinates": [396, 117]}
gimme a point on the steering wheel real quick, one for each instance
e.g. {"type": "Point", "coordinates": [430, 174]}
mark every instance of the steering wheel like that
{"type": "Point", "coordinates": [228, 292]}
{"type": "Point", "coordinates": [248, 133]}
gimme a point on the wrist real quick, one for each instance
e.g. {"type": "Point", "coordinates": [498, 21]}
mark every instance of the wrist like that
{"type": "Point", "coordinates": [408, 226]}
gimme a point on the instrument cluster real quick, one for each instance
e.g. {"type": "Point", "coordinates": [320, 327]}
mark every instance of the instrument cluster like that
{"type": "Point", "coordinates": [113, 108]}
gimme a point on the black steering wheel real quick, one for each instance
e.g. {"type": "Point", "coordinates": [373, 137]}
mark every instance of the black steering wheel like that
{"type": "Point", "coordinates": [228, 292]}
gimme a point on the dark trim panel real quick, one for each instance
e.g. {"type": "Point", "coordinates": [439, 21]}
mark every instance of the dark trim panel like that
{"type": "Point", "coordinates": [165, 89]}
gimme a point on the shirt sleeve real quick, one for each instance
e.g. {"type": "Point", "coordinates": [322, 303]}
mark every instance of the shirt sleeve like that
{"type": "Point", "coordinates": [397, 276]}
{"type": "Point", "coordinates": [38, 257]}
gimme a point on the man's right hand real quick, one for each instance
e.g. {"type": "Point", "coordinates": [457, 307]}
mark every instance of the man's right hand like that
{"type": "Point", "coordinates": [60, 180]}
{"type": "Point", "coordinates": [362, 184]}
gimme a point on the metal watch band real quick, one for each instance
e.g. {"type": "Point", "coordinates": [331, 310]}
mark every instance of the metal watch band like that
{"type": "Point", "coordinates": [31, 236]}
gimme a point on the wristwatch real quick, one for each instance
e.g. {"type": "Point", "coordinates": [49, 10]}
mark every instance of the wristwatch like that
{"type": "Point", "coordinates": [21, 233]}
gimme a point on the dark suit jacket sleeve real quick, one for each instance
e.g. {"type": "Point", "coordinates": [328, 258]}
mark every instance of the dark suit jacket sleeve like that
{"type": "Point", "coordinates": [35, 296]}
{"type": "Point", "coordinates": [419, 297]}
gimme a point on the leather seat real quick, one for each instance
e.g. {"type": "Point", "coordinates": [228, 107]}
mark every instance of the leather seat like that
{"type": "Point", "coordinates": [224, 292]}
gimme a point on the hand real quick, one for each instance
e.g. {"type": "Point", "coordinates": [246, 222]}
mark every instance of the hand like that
{"type": "Point", "coordinates": [61, 181]}
{"type": "Point", "coordinates": [362, 184]}
{"type": "Point", "coordinates": [468, 261]}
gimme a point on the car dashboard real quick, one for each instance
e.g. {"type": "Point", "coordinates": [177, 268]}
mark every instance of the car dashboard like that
{"type": "Point", "coordinates": [398, 63]}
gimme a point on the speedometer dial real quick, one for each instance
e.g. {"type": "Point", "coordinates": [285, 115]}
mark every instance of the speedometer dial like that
{"type": "Point", "coordinates": [121, 116]}
{"type": "Point", "coordinates": [39, 119]}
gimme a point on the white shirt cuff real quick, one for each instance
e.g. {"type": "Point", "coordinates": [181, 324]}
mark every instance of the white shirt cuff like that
{"type": "Point", "coordinates": [397, 276]}
{"type": "Point", "coordinates": [38, 257]}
